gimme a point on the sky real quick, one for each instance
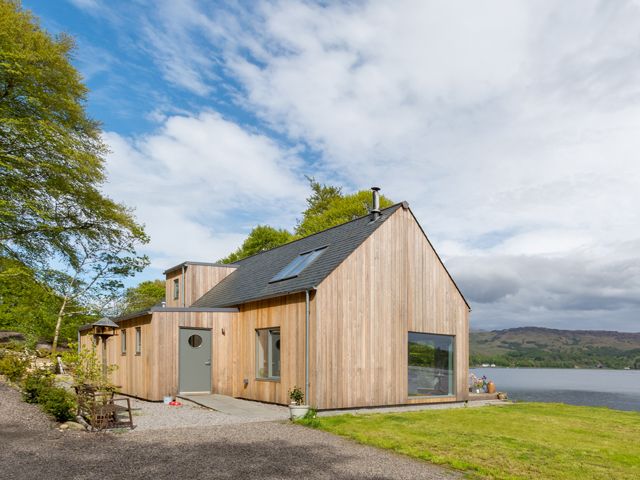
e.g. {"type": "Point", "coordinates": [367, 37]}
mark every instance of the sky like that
{"type": "Point", "coordinates": [511, 127]}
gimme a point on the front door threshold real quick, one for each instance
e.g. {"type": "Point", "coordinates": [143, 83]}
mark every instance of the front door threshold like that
{"type": "Point", "coordinates": [194, 393]}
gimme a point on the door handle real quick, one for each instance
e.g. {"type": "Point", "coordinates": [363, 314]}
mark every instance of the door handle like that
{"type": "Point", "coordinates": [207, 362]}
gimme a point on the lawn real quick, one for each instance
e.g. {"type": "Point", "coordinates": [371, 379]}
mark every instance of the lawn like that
{"type": "Point", "coordinates": [520, 441]}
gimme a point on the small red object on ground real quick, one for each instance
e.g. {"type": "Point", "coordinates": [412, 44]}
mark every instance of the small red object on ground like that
{"type": "Point", "coordinates": [175, 404]}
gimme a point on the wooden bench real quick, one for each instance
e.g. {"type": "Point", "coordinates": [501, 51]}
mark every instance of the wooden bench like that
{"type": "Point", "coordinates": [102, 409]}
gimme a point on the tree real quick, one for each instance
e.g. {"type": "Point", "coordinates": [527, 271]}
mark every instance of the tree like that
{"type": "Point", "coordinates": [326, 207]}
{"type": "Point", "coordinates": [336, 210]}
{"type": "Point", "coordinates": [144, 295]}
{"type": "Point", "coordinates": [51, 153]}
{"type": "Point", "coordinates": [261, 238]}
{"type": "Point", "coordinates": [93, 281]}
{"type": "Point", "coordinates": [28, 306]}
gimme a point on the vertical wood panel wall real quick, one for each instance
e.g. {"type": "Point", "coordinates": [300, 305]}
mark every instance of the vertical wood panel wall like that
{"type": "Point", "coordinates": [393, 283]}
{"type": "Point", "coordinates": [288, 313]}
{"type": "Point", "coordinates": [133, 373]}
{"type": "Point", "coordinates": [202, 278]}
{"type": "Point", "coordinates": [166, 358]}
{"type": "Point", "coordinates": [154, 373]}
{"type": "Point", "coordinates": [199, 279]}
{"type": "Point", "coordinates": [168, 291]}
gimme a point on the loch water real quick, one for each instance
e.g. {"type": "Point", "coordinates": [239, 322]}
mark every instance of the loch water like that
{"type": "Point", "coordinates": [617, 389]}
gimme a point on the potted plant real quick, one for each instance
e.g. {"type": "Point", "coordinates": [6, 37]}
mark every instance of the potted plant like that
{"type": "Point", "coordinates": [297, 408]}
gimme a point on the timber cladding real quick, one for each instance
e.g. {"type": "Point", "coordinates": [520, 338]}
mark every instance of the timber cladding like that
{"type": "Point", "coordinates": [132, 373]}
{"type": "Point", "coordinates": [153, 373]}
{"type": "Point", "coordinates": [198, 280]}
{"type": "Point", "coordinates": [287, 313]}
{"type": "Point", "coordinates": [392, 284]}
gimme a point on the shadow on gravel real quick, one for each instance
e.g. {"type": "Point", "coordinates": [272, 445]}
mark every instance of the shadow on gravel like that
{"type": "Point", "coordinates": [115, 457]}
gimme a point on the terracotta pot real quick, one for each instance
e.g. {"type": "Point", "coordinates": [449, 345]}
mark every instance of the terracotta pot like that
{"type": "Point", "coordinates": [491, 387]}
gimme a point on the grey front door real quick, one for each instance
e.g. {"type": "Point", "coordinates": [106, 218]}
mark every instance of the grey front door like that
{"type": "Point", "coordinates": [195, 360]}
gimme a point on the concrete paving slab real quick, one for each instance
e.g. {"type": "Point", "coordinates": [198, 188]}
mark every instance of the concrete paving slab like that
{"type": "Point", "coordinates": [240, 408]}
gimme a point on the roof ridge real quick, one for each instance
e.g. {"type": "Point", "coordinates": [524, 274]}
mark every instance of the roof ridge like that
{"type": "Point", "coordinates": [316, 233]}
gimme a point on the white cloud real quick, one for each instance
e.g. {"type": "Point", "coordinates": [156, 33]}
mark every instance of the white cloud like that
{"type": "Point", "coordinates": [199, 183]}
{"type": "Point", "coordinates": [509, 126]}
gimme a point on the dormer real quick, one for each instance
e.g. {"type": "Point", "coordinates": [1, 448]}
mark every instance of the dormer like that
{"type": "Point", "coordinates": [188, 281]}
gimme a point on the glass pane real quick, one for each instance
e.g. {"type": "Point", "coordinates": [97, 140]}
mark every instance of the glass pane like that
{"type": "Point", "coordinates": [430, 364]}
{"type": "Point", "coordinates": [195, 340]}
{"type": "Point", "coordinates": [297, 265]}
{"type": "Point", "coordinates": [262, 363]}
{"type": "Point", "coordinates": [123, 341]}
{"type": "Point", "coordinates": [275, 353]}
{"type": "Point", "coordinates": [138, 340]}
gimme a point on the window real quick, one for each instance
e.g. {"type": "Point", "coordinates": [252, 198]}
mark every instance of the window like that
{"type": "Point", "coordinates": [268, 353]}
{"type": "Point", "coordinates": [138, 341]}
{"type": "Point", "coordinates": [123, 341]}
{"type": "Point", "coordinates": [431, 370]}
{"type": "Point", "coordinates": [194, 341]}
{"type": "Point", "coordinates": [297, 265]}
{"type": "Point", "coordinates": [176, 289]}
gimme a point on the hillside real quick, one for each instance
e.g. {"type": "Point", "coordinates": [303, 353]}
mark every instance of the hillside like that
{"type": "Point", "coordinates": [545, 347]}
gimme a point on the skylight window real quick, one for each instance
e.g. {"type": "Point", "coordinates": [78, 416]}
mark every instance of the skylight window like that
{"type": "Point", "coordinates": [297, 265]}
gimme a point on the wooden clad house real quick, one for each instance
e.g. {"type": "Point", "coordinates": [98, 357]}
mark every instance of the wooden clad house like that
{"type": "Point", "coordinates": [361, 314]}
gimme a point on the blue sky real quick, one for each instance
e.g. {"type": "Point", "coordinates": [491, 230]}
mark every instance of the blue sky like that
{"type": "Point", "coordinates": [511, 128]}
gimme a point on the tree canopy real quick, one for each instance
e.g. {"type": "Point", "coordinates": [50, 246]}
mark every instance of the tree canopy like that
{"type": "Point", "coordinates": [64, 245]}
{"type": "Point", "coordinates": [144, 295]}
{"type": "Point", "coordinates": [51, 152]}
{"type": "Point", "coordinates": [29, 306]}
{"type": "Point", "coordinates": [327, 207]}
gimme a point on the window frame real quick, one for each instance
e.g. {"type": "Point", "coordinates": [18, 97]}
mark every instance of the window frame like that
{"type": "Point", "coordinates": [298, 265]}
{"type": "Point", "coordinates": [123, 341]}
{"type": "Point", "coordinates": [138, 340]}
{"type": "Point", "coordinates": [452, 391]}
{"type": "Point", "coordinates": [176, 288]}
{"type": "Point", "coordinates": [269, 354]}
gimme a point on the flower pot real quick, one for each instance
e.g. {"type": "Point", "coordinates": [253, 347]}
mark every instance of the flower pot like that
{"type": "Point", "coordinates": [491, 387]}
{"type": "Point", "coordinates": [168, 399]}
{"type": "Point", "coordinates": [297, 411]}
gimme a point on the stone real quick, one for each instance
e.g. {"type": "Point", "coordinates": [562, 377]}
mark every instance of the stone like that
{"type": "Point", "coordinates": [71, 426]}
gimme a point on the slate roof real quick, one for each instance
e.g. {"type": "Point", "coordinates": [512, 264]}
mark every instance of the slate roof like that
{"type": "Point", "coordinates": [251, 279]}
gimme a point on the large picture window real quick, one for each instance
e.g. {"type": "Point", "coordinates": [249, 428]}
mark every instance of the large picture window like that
{"type": "Point", "coordinates": [268, 353]}
{"type": "Point", "coordinates": [431, 366]}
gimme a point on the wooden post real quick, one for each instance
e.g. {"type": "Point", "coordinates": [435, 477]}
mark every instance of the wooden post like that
{"type": "Point", "coordinates": [104, 357]}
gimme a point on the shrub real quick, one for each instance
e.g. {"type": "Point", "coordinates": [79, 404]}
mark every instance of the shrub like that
{"type": "Point", "coordinates": [85, 367]}
{"type": "Point", "coordinates": [34, 383]}
{"type": "Point", "coordinates": [57, 402]}
{"type": "Point", "coordinates": [296, 395]}
{"type": "Point", "coordinates": [13, 367]}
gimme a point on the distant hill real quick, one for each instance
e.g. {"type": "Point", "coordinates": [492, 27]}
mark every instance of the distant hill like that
{"type": "Point", "coordinates": [546, 347]}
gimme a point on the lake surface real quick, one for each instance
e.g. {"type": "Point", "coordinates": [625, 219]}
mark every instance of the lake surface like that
{"type": "Point", "coordinates": [618, 389]}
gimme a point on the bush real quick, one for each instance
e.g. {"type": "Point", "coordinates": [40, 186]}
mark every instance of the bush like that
{"type": "Point", "coordinates": [296, 395]}
{"type": "Point", "coordinates": [34, 384]}
{"type": "Point", "coordinates": [13, 367]}
{"type": "Point", "coordinates": [57, 402]}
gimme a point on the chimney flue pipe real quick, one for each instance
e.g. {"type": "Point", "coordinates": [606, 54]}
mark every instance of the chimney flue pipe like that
{"type": "Point", "coordinates": [375, 211]}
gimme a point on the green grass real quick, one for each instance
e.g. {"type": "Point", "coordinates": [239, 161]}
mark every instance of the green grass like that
{"type": "Point", "coordinates": [520, 441]}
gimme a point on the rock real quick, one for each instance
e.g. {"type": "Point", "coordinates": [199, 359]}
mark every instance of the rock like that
{"type": "Point", "coordinates": [71, 426]}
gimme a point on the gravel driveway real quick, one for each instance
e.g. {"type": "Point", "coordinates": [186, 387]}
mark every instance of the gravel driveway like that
{"type": "Point", "coordinates": [32, 447]}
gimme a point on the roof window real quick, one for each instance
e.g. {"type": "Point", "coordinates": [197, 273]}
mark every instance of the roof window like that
{"type": "Point", "coordinates": [297, 265]}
